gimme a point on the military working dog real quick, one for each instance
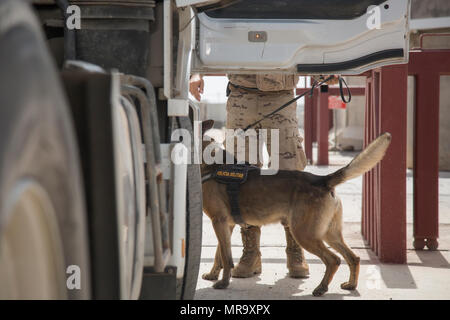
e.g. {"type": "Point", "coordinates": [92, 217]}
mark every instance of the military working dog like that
{"type": "Point", "coordinates": [307, 202]}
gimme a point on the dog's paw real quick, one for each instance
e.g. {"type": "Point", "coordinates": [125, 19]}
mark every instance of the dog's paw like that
{"type": "Point", "coordinates": [210, 276]}
{"type": "Point", "coordinates": [320, 291]}
{"type": "Point", "coordinates": [348, 286]}
{"type": "Point", "coordinates": [221, 284]}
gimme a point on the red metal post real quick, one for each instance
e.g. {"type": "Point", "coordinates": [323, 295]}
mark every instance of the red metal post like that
{"type": "Point", "coordinates": [365, 200]}
{"type": "Point", "coordinates": [315, 103]}
{"type": "Point", "coordinates": [376, 131]}
{"type": "Point", "coordinates": [384, 187]}
{"type": "Point", "coordinates": [372, 181]}
{"type": "Point", "coordinates": [426, 159]}
{"type": "Point", "coordinates": [322, 127]}
{"type": "Point", "coordinates": [427, 66]}
{"type": "Point", "coordinates": [308, 125]}
{"type": "Point", "coordinates": [392, 175]}
{"type": "Point", "coordinates": [369, 176]}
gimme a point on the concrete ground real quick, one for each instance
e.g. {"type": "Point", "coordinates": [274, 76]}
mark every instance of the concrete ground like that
{"type": "Point", "coordinates": [425, 276]}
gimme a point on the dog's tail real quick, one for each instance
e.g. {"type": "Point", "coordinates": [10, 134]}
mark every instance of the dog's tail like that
{"type": "Point", "coordinates": [363, 162]}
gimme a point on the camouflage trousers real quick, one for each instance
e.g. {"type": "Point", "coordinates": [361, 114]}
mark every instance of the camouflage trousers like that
{"type": "Point", "coordinates": [245, 107]}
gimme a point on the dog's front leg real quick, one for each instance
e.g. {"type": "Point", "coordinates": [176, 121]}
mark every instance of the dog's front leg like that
{"type": "Point", "coordinates": [223, 234]}
{"type": "Point", "coordinates": [217, 266]}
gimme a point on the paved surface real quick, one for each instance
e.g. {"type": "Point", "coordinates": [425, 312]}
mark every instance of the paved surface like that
{"type": "Point", "coordinates": [426, 276]}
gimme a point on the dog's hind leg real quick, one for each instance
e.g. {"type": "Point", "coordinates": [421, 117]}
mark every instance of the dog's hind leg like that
{"type": "Point", "coordinates": [223, 235]}
{"type": "Point", "coordinates": [217, 266]}
{"type": "Point", "coordinates": [335, 239]}
{"type": "Point", "coordinates": [318, 248]}
{"type": "Point", "coordinates": [351, 259]}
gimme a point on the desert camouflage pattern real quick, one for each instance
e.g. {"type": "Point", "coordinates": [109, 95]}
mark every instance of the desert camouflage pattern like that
{"type": "Point", "coordinates": [245, 107]}
{"type": "Point", "coordinates": [265, 82]}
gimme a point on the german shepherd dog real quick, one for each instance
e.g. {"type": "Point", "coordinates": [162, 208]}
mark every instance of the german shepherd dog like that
{"type": "Point", "coordinates": [307, 202]}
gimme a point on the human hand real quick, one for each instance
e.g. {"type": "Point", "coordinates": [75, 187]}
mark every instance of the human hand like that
{"type": "Point", "coordinates": [196, 86]}
{"type": "Point", "coordinates": [332, 81]}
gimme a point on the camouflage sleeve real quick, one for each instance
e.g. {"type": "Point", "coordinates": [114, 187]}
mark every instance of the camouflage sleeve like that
{"type": "Point", "coordinates": [275, 82]}
{"type": "Point", "coordinates": [245, 80]}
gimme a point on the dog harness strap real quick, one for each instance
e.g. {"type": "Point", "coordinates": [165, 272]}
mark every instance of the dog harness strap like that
{"type": "Point", "coordinates": [233, 195]}
{"type": "Point", "coordinates": [232, 175]}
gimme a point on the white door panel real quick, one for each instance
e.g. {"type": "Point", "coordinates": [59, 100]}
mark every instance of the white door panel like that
{"type": "Point", "coordinates": [185, 3]}
{"type": "Point", "coordinates": [306, 46]}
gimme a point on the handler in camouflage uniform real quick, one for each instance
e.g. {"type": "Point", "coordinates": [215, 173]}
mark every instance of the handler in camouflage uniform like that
{"type": "Point", "coordinates": [251, 97]}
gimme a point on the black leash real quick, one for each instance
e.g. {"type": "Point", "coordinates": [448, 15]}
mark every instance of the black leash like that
{"type": "Point", "coordinates": [316, 84]}
{"type": "Point", "coordinates": [341, 90]}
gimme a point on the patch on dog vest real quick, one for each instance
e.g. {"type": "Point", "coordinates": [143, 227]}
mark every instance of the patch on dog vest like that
{"type": "Point", "coordinates": [232, 173]}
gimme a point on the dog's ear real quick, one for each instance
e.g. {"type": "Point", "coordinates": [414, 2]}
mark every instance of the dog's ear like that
{"type": "Point", "coordinates": [206, 125]}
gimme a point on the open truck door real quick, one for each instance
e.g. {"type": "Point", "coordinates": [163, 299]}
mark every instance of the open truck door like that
{"type": "Point", "coordinates": [300, 36]}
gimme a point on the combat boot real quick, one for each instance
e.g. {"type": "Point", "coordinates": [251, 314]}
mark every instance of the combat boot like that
{"type": "Point", "coordinates": [250, 262]}
{"type": "Point", "coordinates": [296, 264]}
